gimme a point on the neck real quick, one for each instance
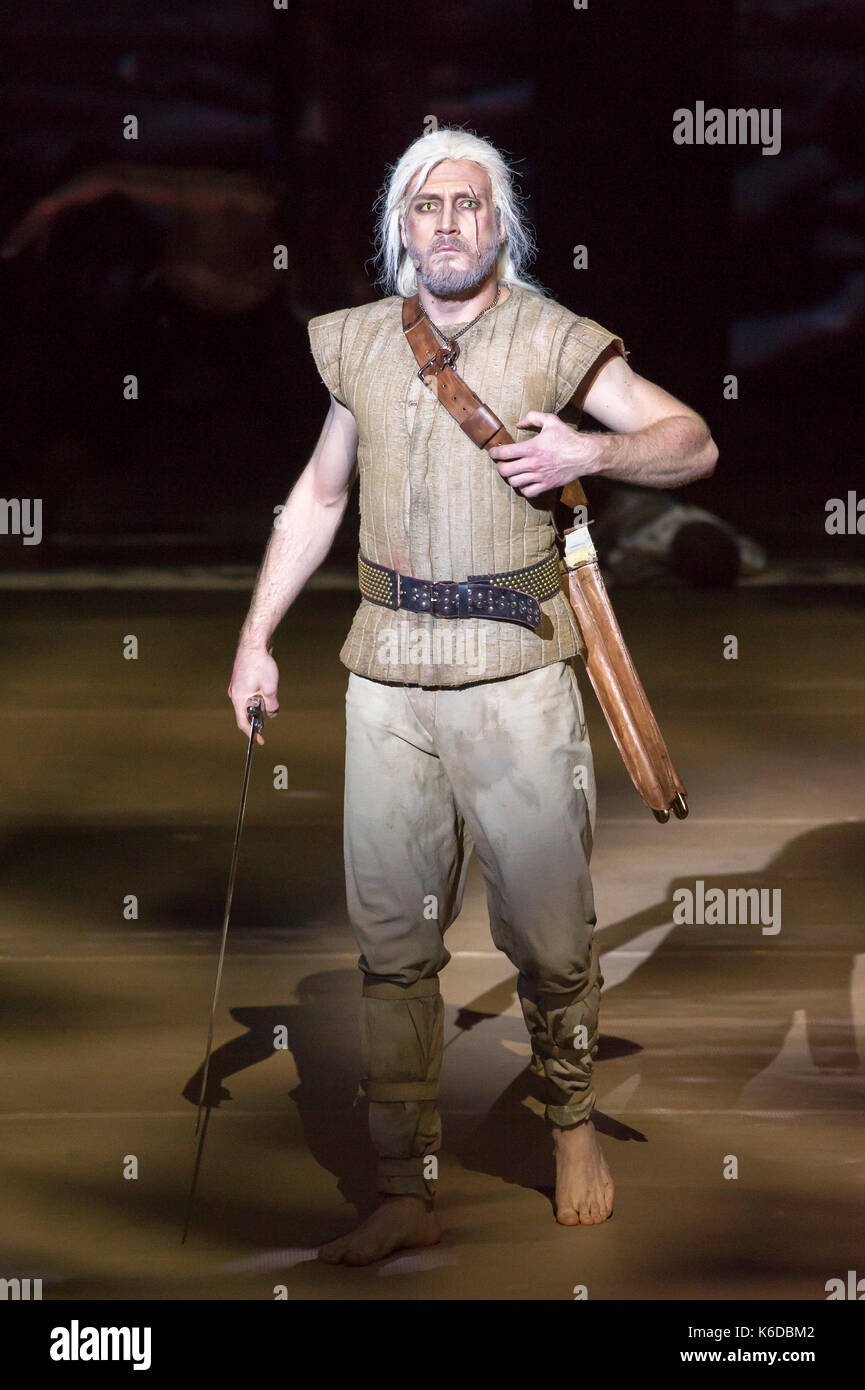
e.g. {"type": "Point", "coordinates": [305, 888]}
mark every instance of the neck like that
{"type": "Point", "coordinates": [460, 307]}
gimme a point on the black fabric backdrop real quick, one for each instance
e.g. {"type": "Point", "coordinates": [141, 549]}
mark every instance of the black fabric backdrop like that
{"type": "Point", "coordinates": [691, 250]}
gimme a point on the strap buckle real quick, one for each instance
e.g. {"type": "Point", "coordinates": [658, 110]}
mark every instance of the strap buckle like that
{"type": "Point", "coordinates": [442, 358]}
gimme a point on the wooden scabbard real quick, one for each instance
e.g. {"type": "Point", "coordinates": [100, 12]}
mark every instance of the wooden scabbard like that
{"type": "Point", "coordinates": [608, 662]}
{"type": "Point", "coordinates": [620, 691]}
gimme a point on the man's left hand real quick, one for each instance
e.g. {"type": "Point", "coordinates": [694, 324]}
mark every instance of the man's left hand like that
{"type": "Point", "coordinates": [555, 456]}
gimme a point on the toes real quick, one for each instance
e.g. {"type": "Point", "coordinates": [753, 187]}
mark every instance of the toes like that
{"type": "Point", "coordinates": [592, 1211]}
{"type": "Point", "coordinates": [566, 1216]}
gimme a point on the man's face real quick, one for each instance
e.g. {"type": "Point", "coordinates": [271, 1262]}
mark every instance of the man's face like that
{"type": "Point", "coordinates": [450, 228]}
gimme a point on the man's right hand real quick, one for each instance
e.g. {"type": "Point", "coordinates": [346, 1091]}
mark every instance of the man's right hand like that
{"type": "Point", "coordinates": [297, 546]}
{"type": "Point", "coordinates": [255, 673]}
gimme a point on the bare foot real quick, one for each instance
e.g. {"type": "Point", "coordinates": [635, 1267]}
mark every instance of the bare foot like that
{"type": "Point", "coordinates": [400, 1223]}
{"type": "Point", "coordinates": [584, 1186]}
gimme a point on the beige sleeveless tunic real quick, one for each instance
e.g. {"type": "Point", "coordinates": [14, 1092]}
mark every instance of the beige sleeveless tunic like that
{"type": "Point", "coordinates": [432, 504]}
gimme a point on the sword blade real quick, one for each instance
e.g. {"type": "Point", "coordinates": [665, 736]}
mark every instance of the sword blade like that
{"type": "Point", "coordinates": [255, 712]}
{"type": "Point", "coordinates": [191, 1198]}
{"type": "Point", "coordinates": [228, 899]}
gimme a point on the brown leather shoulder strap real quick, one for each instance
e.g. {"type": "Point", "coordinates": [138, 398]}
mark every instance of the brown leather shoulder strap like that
{"type": "Point", "coordinates": [475, 419]}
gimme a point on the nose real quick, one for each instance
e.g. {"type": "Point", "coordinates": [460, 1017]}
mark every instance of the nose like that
{"type": "Point", "coordinates": [447, 224]}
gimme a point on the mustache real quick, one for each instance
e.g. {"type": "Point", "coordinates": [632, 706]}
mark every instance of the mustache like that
{"type": "Point", "coordinates": [448, 244]}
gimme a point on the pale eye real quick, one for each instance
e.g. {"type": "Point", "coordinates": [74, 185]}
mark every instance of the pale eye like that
{"type": "Point", "coordinates": [471, 203]}
{"type": "Point", "coordinates": [426, 207]}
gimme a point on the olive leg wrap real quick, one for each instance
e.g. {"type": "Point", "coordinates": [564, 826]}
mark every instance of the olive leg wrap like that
{"type": "Point", "coordinates": [563, 1027]}
{"type": "Point", "coordinates": [401, 1029]}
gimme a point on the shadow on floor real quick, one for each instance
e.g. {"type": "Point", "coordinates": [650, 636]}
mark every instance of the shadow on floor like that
{"type": "Point", "coordinates": [742, 984]}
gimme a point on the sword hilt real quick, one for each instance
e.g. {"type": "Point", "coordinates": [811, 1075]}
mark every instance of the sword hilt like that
{"type": "Point", "coordinates": [255, 713]}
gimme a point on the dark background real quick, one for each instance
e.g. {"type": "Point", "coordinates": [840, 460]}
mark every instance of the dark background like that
{"type": "Point", "coordinates": [705, 260]}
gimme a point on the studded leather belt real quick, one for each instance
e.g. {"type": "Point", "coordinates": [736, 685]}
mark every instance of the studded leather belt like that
{"type": "Point", "coordinates": [512, 597]}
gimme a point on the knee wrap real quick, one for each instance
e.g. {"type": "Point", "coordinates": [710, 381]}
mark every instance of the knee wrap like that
{"type": "Point", "coordinates": [402, 1029]}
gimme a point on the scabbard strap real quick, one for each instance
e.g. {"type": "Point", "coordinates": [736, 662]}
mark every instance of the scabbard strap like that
{"type": "Point", "coordinates": [435, 364]}
{"type": "Point", "coordinates": [513, 597]}
{"type": "Point", "coordinates": [607, 659]}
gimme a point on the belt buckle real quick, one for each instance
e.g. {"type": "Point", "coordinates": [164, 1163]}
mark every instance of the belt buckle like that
{"type": "Point", "coordinates": [398, 591]}
{"type": "Point", "coordinates": [441, 598]}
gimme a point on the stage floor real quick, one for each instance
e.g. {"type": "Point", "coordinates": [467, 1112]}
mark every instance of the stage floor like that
{"type": "Point", "coordinates": [719, 1042]}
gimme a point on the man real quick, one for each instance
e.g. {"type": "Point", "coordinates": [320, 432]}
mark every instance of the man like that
{"type": "Point", "coordinates": [463, 732]}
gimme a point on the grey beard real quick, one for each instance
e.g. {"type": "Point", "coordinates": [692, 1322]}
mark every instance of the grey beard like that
{"type": "Point", "coordinates": [449, 279]}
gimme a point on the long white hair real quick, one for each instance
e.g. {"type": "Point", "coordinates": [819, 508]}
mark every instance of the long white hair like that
{"type": "Point", "coordinates": [408, 174]}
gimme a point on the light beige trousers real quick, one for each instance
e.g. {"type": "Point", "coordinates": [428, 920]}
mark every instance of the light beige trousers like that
{"type": "Point", "coordinates": [504, 768]}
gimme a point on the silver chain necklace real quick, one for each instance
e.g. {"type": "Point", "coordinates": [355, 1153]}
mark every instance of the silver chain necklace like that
{"type": "Point", "coordinates": [451, 342]}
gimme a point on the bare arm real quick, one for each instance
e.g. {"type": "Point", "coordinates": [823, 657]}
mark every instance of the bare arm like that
{"type": "Point", "coordinates": [300, 541]}
{"type": "Point", "coordinates": [658, 441]}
